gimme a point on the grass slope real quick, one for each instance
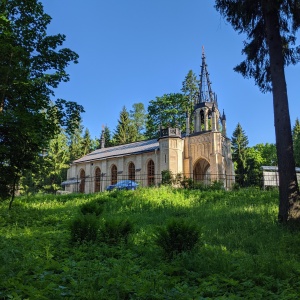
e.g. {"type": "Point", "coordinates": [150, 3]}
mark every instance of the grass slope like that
{"type": "Point", "coordinates": [242, 254]}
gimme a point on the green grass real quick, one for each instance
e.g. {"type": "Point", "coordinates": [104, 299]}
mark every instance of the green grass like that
{"type": "Point", "coordinates": [242, 252]}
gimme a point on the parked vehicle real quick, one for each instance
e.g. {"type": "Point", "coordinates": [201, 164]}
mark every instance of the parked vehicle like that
{"type": "Point", "coordinates": [123, 185]}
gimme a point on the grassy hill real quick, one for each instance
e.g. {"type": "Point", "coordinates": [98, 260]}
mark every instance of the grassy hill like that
{"type": "Point", "coordinates": [52, 248]}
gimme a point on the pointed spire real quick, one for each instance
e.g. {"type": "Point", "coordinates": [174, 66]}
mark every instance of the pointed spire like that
{"type": "Point", "coordinates": [223, 116]}
{"type": "Point", "coordinates": [205, 91]}
{"type": "Point", "coordinates": [102, 139]}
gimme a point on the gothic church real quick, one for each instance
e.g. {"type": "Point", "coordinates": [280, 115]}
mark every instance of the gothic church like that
{"type": "Point", "coordinates": [203, 155]}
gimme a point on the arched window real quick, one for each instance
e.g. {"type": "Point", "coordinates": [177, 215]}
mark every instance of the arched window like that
{"type": "Point", "coordinates": [150, 172]}
{"type": "Point", "coordinates": [114, 174]}
{"type": "Point", "coordinates": [97, 179]}
{"type": "Point", "coordinates": [82, 181]}
{"type": "Point", "coordinates": [131, 171]}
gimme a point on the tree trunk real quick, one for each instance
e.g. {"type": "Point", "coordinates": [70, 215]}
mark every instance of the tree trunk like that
{"type": "Point", "coordinates": [288, 186]}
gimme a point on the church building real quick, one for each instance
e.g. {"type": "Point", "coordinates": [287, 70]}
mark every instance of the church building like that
{"type": "Point", "coordinates": [203, 155]}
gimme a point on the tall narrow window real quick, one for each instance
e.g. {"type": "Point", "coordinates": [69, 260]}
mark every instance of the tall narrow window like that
{"type": "Point", "coordinates": [131, 171]}
{"type": "Point", "coordinates": [114, 174]}
{"type": "Point", "coordinates": [82, 181]}
{"type": "Point", "coordinates": [151, 172]}
{"type": "Point", "coordinates": [97, 179]}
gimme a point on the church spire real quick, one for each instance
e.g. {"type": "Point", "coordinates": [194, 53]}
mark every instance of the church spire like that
{"type": "Point", "coordinates": [205, 91]}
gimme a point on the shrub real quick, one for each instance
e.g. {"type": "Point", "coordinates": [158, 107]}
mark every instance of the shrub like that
{"type": "Point", "coordinates": [92, 208]}
{"type": "Point", "coordinates": [166, 177]}
{"type": "Point", "coordinates": [178, 236]}
{"type": "Point", "coordinates": [84, 228]}
{"type": "Point", "coordinates": [115, 231]}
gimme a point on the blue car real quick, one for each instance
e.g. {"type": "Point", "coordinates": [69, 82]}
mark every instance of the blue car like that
{"type": "Point", "coordinates": [123, 185]}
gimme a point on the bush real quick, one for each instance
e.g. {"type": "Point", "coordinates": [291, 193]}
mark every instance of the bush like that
{"type": "Point", "coordinates": [84, 228]}
{"type": "Point", "coordinates": [92, 208]}
{"type": "Point", "coordinates": [115, 231]}
{"type": "Point", "coordinates": [177, 237]}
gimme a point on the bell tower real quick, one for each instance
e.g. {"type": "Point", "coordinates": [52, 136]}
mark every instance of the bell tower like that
{"type": "Point", "coordinates": [207, 153]}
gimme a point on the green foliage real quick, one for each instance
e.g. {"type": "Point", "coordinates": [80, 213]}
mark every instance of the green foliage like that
{"type": "Point", "coordinates": [178, 236]}
{"type": "Point", "coordinates": [239, 142]}
{"type": "Point", "coordinates": [116, 230]}
{"type": "Point", "coordinates": [125, 132]}
{"type": "Point", "coordinates": [296, 142]}
{"type": "Point", "coordinates": [32, 64]}
{"type": "Point", "coordinates": [244, 253]}
{"type": "Point", "coordinates": [84, 228]}
{"type": "Point", "coordinates": [166, 177]}
{"type": "Point", "coordinates": [138, 118]}
{"type": "Point", "coordinates": [92, 208]}
{"type": "Point", "coordinates": [166, 111]}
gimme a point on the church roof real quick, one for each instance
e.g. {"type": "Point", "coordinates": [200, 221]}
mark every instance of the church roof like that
{"type": "Point", "coordinates": [122, 150]}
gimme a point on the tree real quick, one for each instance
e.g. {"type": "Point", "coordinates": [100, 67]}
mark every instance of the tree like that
{"type": "Point", "coordinates": [56, 163]}
{"type": "Point", "coordinates": [166, 111]}
{"type": "Point", "coordinates": [138, 118]}
{"type": "Point", "coordinates": [239, 142]}
{"type": "Point", "coordinates": [75, 143]}
{"type": "Point", "coordinates": [86, 143]}
{"type": "Point", "coordinates": [125, 131]}
{"type": "Point", "coordinates": [190, 88]}
{"type": "Point", "coordinates": [296, 142]}
{"type": "Point", "coordinates": [32, 64]}
{"type": "Point", "coordinates": [107, 137]}
{"type": "Point", "coordinates": [268, 154]}
{"type": "Point", "coordinates": [270, 27]}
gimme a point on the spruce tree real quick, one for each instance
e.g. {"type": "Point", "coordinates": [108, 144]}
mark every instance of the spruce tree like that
{"type": "Point", "coordinates": [239, 142]}
{"type": "Point", "coordinates": [270, 27]}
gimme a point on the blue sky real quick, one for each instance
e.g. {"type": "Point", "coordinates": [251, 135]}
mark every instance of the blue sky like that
{"type": "Point", "coordinates": [135, 50]}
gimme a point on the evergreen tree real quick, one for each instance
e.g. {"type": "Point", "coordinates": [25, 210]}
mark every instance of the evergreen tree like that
{"type": "Point", "coordinates": [138, 118]}
{"type": "Point", "coordinates": [75, 143]}
{"type": "Point", "coordinates": [125, 131]}
{"type": "Point", "coordinates": [86, 143]}
{"type": "Point", "coordinates": [270, 27]}
{"type": "Point", "coordinates": [239, 143]}
{"type": "Point", "coordinates": [296, 142]}
{"type": "Point", "coordinates": [56, 163]}
{"type": "Point", "coordinates": [190, 88]}
{"type": "Point", "coordinates": [107, 136]}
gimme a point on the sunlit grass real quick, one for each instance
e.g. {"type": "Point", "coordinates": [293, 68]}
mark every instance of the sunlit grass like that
{"type": "Point", "coordinates": [242, 252]}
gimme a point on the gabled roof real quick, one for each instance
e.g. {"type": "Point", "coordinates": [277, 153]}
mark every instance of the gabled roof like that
{"type": "Point", "coordinates": [122, 150]}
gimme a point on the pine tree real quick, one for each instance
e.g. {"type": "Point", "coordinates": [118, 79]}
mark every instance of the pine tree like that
{"type": "Point", "coordinates": [125, 131]}
{"type": "Point", "coordinates": [86, 143]}
{"type": "Point", "coordinates": [240, 143]}
{"type": "Point", "coordinates": [270, 28]}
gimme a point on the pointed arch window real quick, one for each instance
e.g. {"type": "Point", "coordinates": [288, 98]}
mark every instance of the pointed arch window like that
{"type": "Point", "coordinates": [150, 172]}
{"type": "Point", "coordinates": [97, 179]}
{"type": "Point", "coordinates": [131, 171]}
{"type": "Point", "coordinates": [82, 182]}
{"type": "Point", "coordinates": [114, 174]}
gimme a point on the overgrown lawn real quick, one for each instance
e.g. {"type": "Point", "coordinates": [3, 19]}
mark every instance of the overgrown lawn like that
{"type": "Point", "coordinates": [242, 252]}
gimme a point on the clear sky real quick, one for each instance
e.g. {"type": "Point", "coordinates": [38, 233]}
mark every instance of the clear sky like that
{"type": "Point", "coordinates": [132, 51]}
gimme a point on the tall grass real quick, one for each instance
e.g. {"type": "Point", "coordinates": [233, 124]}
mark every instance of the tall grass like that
{"type": "Point", "coordinates": [242, 252]}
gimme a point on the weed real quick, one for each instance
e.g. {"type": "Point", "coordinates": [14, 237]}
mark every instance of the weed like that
{"type": "Point", "coordinates": [115, 231]}
{"type": "Point", "coordinates": [84, 228]}
{"type": "Point", "coordinates": [92, 208]}
{"type": "Point", "coordinates": [177, 237]}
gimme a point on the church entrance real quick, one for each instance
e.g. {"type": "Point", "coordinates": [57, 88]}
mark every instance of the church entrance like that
{"type": "Point", "coordinates": [201, 171]}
